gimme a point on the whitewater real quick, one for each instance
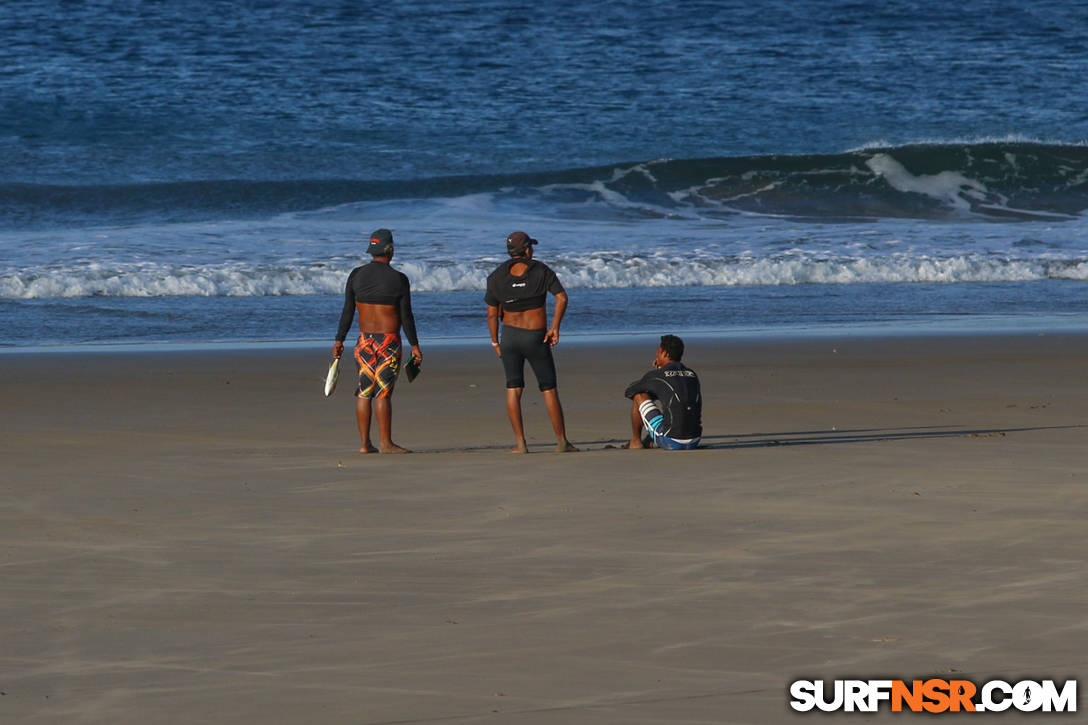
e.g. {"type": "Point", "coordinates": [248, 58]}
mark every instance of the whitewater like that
{"type": "Point", "coordinates": [180, 173]}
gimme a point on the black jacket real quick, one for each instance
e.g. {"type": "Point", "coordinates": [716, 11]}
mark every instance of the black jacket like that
{"type": "Point", "coordinates": [676, 388]}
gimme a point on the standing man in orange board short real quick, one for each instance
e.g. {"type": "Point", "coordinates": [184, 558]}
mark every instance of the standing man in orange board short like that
{"type": "Point", "coordinates": [516, 294]}
{"type": "Point", "coordinates": [382, 297]}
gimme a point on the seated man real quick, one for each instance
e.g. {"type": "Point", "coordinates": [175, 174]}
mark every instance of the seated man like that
{"type": "Point", "coordinates": [667, 401]}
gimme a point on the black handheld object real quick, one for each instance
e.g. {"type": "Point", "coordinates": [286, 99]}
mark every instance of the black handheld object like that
{"type": "Point", "coordinates": [412, 369]}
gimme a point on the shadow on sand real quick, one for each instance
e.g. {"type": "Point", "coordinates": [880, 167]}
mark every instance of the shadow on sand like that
{"type": "Point", "coordinates": [861, 435]}
{"type": "Point", "coordinates": [732, 441]}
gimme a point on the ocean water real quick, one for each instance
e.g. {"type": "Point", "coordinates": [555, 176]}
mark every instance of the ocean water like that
{"type": "Point", "coordinates": [208, 172]}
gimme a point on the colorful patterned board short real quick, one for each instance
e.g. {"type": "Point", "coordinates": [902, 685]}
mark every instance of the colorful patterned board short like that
{"type": "Point", "coordinates": [378, 358]}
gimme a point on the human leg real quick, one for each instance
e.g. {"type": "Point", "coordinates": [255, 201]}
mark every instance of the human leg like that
{"type": "Point", "coordinates": [383, 411]}
{"type": "Point", "coordinates": [513, 410]}
{"type": "Point", "coordinates": [378, 358]}
{"type": "Point", "coordinates": [636, 421]}
{"type": "Point", "coordinates": [555, 413]}
{"type": "Point", "coordinates": [653, 418]}
{"type": "Point", "coordinates": [539, 355]}
{"type": "Point", "coordinates": [513, 364]}
{"type": "Point", "coordinates": [362, 418]}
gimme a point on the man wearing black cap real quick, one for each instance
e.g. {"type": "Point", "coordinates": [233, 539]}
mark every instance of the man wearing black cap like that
{"type": "Point", "coordinates": [517, 294]}
{"type": "Point", "coordinates": [382, 297]}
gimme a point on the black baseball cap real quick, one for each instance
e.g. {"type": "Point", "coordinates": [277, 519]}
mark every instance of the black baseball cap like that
{"type": "Point", "coordinates": [381, 243]}
{"type": "Point", "coordinates": [518, 242]}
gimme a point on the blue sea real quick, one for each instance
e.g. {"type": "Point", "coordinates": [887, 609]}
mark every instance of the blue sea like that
{"type": "Point", "coordinates": [208, 172]}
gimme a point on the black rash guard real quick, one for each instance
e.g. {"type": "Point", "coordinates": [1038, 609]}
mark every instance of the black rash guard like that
{"type": "Point", "coordinates": [676, 388]}
{"type": "Point", "coordinates": [527, 291]}
{"type": "Point", "coordinates": [378, 284]}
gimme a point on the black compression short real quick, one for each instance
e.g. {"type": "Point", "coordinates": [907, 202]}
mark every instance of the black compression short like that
{"type": "Point", "coordinates": [518, 346]}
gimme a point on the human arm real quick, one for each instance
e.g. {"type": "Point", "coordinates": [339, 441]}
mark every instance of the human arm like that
{"type": "Point", "coordinates": [493, 312]}
{"type": "Point", "coordinates": [642, 385]}
{"type": "Point", "coordinates": [408, 320]}
{"type": "Point", "coordinates": [346, 316]}
{"type": "Point", "coordinates": [552, 335]}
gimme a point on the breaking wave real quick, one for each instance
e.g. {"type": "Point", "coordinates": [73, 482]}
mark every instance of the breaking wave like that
{"type": "Point", "coordinates": [596, 270]}
{"type": "Point", "coordinates": [1011, 179]}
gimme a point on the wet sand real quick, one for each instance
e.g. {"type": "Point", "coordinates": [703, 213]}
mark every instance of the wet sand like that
{"type": "Point", "coordinates": [192, 537]}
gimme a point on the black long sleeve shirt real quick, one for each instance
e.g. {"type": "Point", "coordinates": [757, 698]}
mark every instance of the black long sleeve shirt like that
{"type": "Point", "coordinates": [378, 283]}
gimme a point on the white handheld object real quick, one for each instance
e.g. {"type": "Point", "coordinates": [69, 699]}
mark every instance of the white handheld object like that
{"type": "Point", "coordinates": [330, 379]}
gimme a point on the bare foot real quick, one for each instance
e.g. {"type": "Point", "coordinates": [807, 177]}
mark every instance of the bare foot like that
{"type": "Point", "coordinates": [394, 448]}
{"type": "Point", "coordinates": [368, 447]}
{"type": "Point", "coordinates": [564, 447]}
{"type": "Point", "coordinates": [520, 448]}
{"type": "Point", "coordinates": [634, 444]}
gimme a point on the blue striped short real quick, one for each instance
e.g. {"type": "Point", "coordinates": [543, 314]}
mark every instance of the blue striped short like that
{"type": "Point", "coordinates": [654, 420]}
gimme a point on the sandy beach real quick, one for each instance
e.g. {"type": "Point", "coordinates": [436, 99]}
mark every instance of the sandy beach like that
{"type": "Point", "coordinates": [192, 537]}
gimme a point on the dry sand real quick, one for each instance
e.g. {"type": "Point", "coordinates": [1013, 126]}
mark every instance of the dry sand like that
{"type": "Point", "coordinates": [192, 538]}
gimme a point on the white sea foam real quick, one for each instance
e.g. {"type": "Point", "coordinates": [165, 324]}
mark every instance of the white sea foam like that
{"type": "Point", "coordinates": [950, 187]}
{"type": "Point", "coordinates": [601, 270]}
{"type": "Point", "coordinates": [1011, 138]}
